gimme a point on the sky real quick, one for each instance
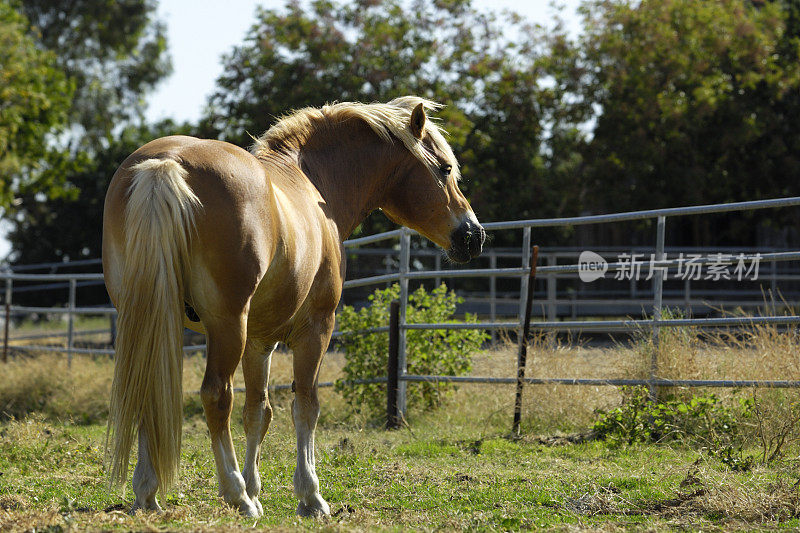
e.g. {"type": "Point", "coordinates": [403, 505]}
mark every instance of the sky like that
{"type": "Point", "coordinates": [199, 32]}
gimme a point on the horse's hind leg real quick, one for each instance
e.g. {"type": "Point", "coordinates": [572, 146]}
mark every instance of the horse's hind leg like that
{"type": "Point", "coordinates": [257, 412]}
{"type": "Point", "coordinates": [226, 340]}
{"type": "Point", "coordinates": [308, 353]}
{"type": "Point", "coordinates": [145, 483]}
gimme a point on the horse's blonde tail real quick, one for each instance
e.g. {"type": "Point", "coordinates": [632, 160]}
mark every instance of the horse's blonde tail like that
{"type": "Point", "coordinates": [146, 394]}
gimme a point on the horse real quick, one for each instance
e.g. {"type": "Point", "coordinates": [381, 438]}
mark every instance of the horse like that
{"type": "Point", "coordinates": [250, 243]}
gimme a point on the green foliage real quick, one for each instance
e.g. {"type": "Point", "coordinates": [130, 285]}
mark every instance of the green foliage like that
{"type": "Point", "coordinates": [429, 352]}
{"type": "Point", "coordinates": [34, 100]}
{"type": "Point", "coordinates": [96, 61]}
{"type": "Point", "coordinates": [113, 50]}
{"type": "Point", "coordinates": [481, 64]}
{"type": "Point", "coordinates": [700, 421]}
{"type": "Point", "coordinates": [694, 97]}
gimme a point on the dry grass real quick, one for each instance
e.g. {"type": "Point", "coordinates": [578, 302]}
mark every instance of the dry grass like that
{"type": "Point", "coordinates": [549, 407]}
{"type": "Point", "coordinates": [703, 493]}
{"type": "Point", "coordinates": [44, 384]}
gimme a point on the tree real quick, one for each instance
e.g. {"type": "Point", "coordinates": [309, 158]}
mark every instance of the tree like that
{"type": "Point", "coordinates": [113, 50]}
{"type": "Point", "coordinates": [693, 100]}
{"type": "Point", "coordinates": [361, 51]}
{"type": "Point", "coordinates": [113, 53]}
{"type": "Point", "coordinates": [370, 50]}
{"type": "Point", "coordinates": [34, 99]}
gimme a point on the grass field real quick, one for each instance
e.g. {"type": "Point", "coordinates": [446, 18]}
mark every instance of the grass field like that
{"type": "Point", "coordinates": [454, 468]}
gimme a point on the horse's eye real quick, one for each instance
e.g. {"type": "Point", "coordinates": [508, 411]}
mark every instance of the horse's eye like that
{"type": "Point", "coordinates": [445, 170]}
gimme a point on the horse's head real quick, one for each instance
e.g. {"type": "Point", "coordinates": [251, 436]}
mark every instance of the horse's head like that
{"type": "Point", "coordinates": [425, 194]}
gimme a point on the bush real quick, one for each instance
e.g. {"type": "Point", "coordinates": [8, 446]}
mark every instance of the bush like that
{"type": "Point", "coordinates": [447, 352]}
{"type": "Point", "coordinates": [699, 421]}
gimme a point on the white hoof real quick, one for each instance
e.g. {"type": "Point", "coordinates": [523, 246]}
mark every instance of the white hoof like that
{"type": "Point", "coordinates": [314, 507]}
{"type": "Point", "coordinates": [258, 506]}
{"type": "Point", "coordinates": [248, 509]}
{"type": "Point", "coordinates": [147, 506]}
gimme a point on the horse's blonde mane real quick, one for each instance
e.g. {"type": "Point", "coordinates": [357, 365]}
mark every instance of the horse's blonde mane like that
{"type": "Point", "coordinates": [389, 121]}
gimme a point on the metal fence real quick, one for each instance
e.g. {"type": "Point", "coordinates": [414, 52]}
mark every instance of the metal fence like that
{"type": "Point", "coordinates": [563, 296]}
{"type": "Point", "coordinates": [655, 322]}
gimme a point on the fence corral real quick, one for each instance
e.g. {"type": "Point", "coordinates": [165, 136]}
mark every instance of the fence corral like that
{"type": "Point", "coordinates": [550, 271]}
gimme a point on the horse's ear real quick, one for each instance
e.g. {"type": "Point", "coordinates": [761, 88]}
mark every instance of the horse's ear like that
{"type": "Point", "coordinates": [418, 119]}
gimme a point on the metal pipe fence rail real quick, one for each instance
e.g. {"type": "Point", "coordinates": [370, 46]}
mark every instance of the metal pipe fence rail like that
{"type": "Point", "coordinates": [405, 274]}
{"type": "Point", "coordinates": [563, 297]}
{"type": "Point", "coordinates": [655, 323]}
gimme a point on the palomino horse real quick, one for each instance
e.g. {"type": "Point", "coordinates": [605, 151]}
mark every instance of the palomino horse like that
{"type": "Point", "coordinates": [252, 242]}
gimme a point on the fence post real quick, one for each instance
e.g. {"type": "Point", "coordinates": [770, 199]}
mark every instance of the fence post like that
{"type": "Point", "coordinates": [402, 363]}
{"type": "Point", "coordinates": [552, 308]}
{"type": "Point", "coordinates": [9, 291]}
{"type": "Point", "coordinates": [658, 288]}
{"type": "Point", "coordinates": [71, 319]}
{"type": "Point", "coordinates": [523, 302]}
{"type": "Point", "coordinates": [523, 342]}
{"type": "Point", "coordinates": [493, 293]}
{"type": "Point", "coordinates": [526, 264]}
{"type": "Point", "coordinates": [392, 370]}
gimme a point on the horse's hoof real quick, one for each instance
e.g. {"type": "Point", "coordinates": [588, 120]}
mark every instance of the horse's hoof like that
{"type": "Point", "coordinates": [316, 507]}
{"type": "Point", "coordinates": [250, 509]}
{"type": "Point", "coordinates": [148, 507]}
{"type": "Point", "coordinates": [258, 506]}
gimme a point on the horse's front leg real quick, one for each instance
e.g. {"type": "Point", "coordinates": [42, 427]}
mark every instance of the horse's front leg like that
{"type": "Point", "coordinates": [308, 352]}
{"type": "Point", "coordinates": [226, 340]}
{"type": "Point", "coordinates": [257, 412]}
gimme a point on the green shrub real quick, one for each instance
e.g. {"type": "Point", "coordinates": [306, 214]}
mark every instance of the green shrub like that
{"type": "Point", "coordinates": [447, 352]}
{"type": "Point", "coordinates": [699, 421]}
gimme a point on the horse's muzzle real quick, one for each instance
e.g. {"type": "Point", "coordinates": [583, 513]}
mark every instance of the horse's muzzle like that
{"type": "Point", "coordinates": [466, 241]}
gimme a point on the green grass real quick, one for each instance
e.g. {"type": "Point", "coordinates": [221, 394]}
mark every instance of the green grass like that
{"type": "Point", "coordinates": [430, 477]}
{"type": "Point", "coordinates": [450, 469]}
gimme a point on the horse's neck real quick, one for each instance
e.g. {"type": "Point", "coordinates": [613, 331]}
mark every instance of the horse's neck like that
{"type": "Point", "coordinates": [351, 170]}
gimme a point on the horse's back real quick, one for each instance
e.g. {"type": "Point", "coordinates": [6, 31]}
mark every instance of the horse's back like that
{"type": "Point", "coordinates": [215, 169]}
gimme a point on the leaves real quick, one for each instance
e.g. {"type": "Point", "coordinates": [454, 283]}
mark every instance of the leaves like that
{"type": "Point", "coordinates": [430, 352]}
{"type": "Point", "coordinates": [690, 96]}
{"type": "Point", "coordinates": [34, 99]}
{"type": "Point", "coordinates": [114, 51]}
{"type": "Point", "coordinates": [78, 73]}
{"type": "Point", "coordinates": [700, 421]}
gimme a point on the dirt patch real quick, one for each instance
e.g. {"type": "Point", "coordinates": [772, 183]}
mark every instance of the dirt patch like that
{"type": "Point", "coordinates": [561, 440]}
